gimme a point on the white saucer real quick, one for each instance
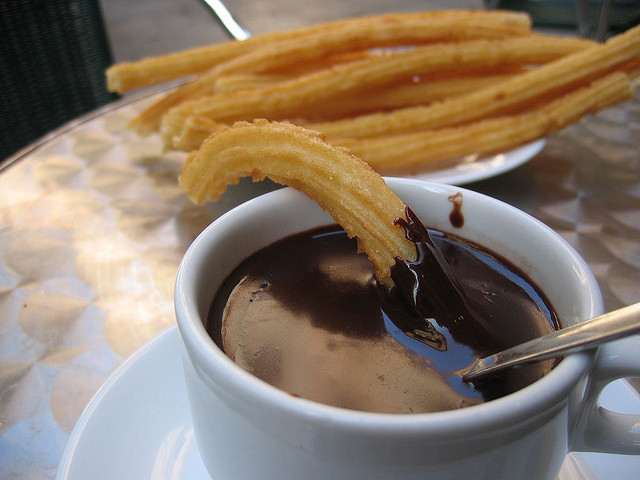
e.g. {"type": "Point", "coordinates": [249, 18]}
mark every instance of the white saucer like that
{"type": "Point", "coordinates": [138, 427]}
{"type": "Point", "coordinates": [473, 170]}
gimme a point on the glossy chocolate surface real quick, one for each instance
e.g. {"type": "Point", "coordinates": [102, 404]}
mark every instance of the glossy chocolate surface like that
{"type": "Point", "coordinates": [307, 315]}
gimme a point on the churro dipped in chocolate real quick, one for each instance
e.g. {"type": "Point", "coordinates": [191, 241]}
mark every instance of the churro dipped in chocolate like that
{"type": "Point", "coordinates": [405, 259]}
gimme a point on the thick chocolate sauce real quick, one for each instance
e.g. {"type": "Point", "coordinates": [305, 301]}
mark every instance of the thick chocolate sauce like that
{"type": "Point", "coordinates": [307, 315]}
{"type": "Point", "coordinates": [428, 289]}
{"type": "Point", "coordinates": [456, 218]}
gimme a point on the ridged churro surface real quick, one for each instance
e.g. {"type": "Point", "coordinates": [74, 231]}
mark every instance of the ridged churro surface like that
{"type": "Point", "coordinates": [350, 190]}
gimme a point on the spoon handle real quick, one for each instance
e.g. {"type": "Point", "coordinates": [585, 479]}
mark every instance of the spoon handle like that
{"type": "Point", "coordinates": [228, 22]}
{"type": "Point", "coordinates": [604, 328]}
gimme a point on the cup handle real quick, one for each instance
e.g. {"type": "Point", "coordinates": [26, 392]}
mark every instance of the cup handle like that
{"type": "Point", "coordinates": [598, 428]}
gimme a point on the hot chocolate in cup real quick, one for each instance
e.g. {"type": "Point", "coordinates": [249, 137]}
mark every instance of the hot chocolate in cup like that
{"type": "Point", "coordinates": [246, 428]}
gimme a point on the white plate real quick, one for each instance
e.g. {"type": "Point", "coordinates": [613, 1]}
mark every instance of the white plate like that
{"type": "Point", "coordinates": [473, 170]}
{"type": "Point", "coordinates": [138, 427]}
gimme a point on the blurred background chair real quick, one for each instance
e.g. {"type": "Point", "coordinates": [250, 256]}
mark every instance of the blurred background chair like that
{"type": "Point", "coordinates": [52, 55]}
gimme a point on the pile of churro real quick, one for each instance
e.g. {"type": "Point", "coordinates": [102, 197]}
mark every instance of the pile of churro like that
{"type": "Point", "coordinates": [404, 92]}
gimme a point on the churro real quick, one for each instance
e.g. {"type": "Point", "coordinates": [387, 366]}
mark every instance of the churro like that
{"type": "Point", "coordinates": [346, 187]}
{"type": "Point", "coordinates": [293, 98]}
{"type": "Point", "coordinates": [127, 76]}
{"type": "Point", "coordinates": [515, 94]}
{"type": "Point", "coordinates": [431, 149]}
{"type": "Point", "coordinates": [406, 92]}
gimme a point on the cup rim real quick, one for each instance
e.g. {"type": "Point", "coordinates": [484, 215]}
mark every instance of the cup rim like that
{"type": "Point", "coordinates": [212, 362]}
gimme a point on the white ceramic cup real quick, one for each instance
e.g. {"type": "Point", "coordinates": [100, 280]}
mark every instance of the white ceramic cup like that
{"type": "Point", "coordinates": [247, 429]}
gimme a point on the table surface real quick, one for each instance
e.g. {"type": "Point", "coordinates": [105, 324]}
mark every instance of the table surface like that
{"type": "Point", "coordinates": [93, 227]}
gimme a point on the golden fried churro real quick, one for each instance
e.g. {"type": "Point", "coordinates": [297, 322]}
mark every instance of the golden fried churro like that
{"type": "Point", "coordinates": [353, 36]}
{"type": "Point", "coordinates": [556, 77]}
{"type": "Point", "coordinates": [436, 148]}
{"type": "Point", "coordinates": [411, 91]}
{"type": "Point", "coordinates": [127, 76]}
{"type": "Point", "coordinates": [354, 81]}
{"type": "Point", "coordinates": [208, 83]}
{"type": "Point", "coordinates": [432, 148]}
{"type": "Point", "coordinates": [243, 81]}
{"type": "Point", "coordinates": [291, 99]}
{"type": "Point", "coordinates": [355, 196]}
{"type": "Point", "coordinates": [187, 133]}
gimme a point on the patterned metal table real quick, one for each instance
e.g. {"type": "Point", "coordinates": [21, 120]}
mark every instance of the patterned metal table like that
{"type": "Point", "coordinates": [93, 226]}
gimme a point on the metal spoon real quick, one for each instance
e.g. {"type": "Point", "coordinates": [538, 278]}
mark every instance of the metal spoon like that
{"type": "Point", "coordinates": [590, 333]}
{"type": "Point", "coordinates": [228, 22]}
